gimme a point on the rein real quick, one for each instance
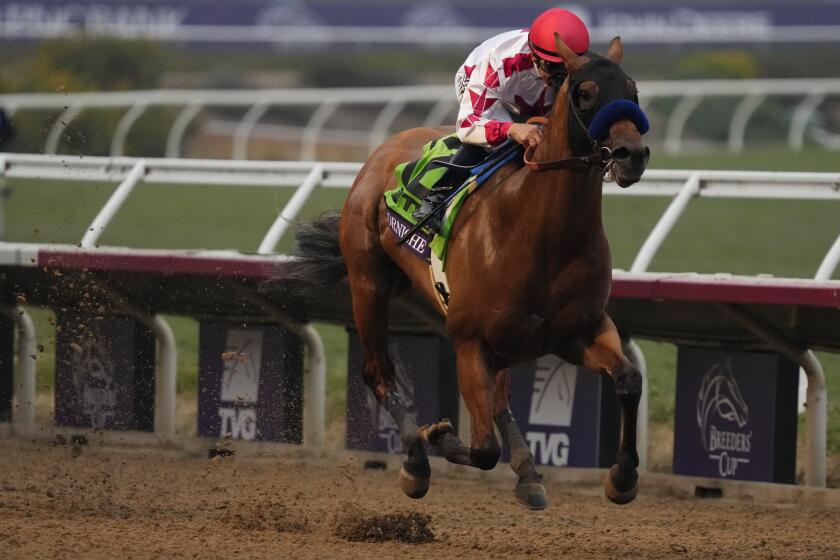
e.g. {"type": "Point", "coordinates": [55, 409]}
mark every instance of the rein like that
{"type": "Point", "coordinates": [603, 158]}
{"type": "Point", "coordinates": [601, 155]}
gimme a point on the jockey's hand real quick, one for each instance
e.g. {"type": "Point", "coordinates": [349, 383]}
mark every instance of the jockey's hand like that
{"type": "Point", "coordinates": [526, 134]}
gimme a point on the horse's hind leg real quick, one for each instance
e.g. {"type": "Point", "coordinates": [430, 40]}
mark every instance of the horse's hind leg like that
{"type": "Point", "coordinates": [603, 353]}
{"type": "Point", "coordinates": [477, 386]}
{"type": "Point", "coordinates": [529, 490]}
{"type": "Point", "coordinates": [370, 290]}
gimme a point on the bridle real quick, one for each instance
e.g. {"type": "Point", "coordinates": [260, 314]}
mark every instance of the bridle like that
{"type": "Point", "coordinates": [600, 156]}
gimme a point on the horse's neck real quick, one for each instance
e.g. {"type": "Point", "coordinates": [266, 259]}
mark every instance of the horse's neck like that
{"type": "Point", "coordinates": [555, 144]}
{"type": "Point", "coordinates": [568, 200]}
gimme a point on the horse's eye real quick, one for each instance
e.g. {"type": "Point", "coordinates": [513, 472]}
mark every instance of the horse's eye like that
{"type": "Point", "coordinates": [584, 95]}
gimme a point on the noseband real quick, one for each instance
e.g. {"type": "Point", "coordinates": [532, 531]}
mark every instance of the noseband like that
{"type": "Point", "coordinates": [596, 132]}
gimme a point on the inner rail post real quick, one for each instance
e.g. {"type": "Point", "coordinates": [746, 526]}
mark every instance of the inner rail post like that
{"type": "Point", "coordinates": [663, 227]}
{"type": "Point", "coordinates": [643, 259]}
{"type": "Point", "coordinates": [291, 210]}
{"type": "Point", "coordinates": [817, 397]}
{"type": "Point", "coordinates": [829, 262]}
{"type": "Point", "coordinates": [106, 214]}
{"type": "Point", "coordinates": [316, 380]}
{"type": "Point", "coordinates": [23, 417]}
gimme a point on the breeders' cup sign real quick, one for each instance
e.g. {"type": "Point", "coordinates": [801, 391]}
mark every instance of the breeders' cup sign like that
{"type": "Point", "coordinates": [566, 413]}
{"type": "Point", "coordinates": [720, 401]}
{"type": "Point", "coordinates": [735, 415]}
{"type": "Point", "coordinates": [250, 382]}
{"type": "Point", "coordinates": [104, 375]}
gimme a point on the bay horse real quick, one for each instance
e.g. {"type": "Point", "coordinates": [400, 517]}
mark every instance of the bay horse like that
{"type": "Point", "coordinates": [529, 271]}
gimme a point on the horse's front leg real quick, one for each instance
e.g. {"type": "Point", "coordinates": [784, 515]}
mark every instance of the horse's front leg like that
{"type": "Point", "coordinates": [602, 352]}
{"type": "Point", "coordinates": [529, 490]}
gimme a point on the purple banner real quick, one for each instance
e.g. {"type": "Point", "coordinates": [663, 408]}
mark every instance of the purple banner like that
{"type": "Point", "coordinates": [641, 21]}
{"type": "Point", "coordinates": [250, 382]}
{"type": "Point", "coordinates": [104, 373]}
{"type": "Point", "coordinates": [567, 414]}
{"type": "Point", "coordinates": [419, 242]}
{"type": "Point", "coordinates": [735, 415]}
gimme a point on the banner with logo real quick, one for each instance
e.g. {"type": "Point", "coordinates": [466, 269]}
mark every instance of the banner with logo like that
{"type": "Point", "coordinates": [424, 367]}
{"type": "Point", "coordinates": [322, 21]}
{"type": "Point", "coordinates": [735, 415]}
{"type": "Point", "coordinates": [567, 414]}
{"type": "Point", "coordinates": [7, 368]}
{"type": "Point", "coordinates": [250, 382]}
{"type": "Point", "coordinates": [104, 372]}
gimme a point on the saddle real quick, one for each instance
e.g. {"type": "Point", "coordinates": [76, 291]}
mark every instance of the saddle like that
{"type": "Point", "coordinates": [416, 179]}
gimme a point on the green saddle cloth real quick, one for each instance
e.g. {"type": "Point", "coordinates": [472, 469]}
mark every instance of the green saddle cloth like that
{"type": "Point", "coordinates": [415, 179]}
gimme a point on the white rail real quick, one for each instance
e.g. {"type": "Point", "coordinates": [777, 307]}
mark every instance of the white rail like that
{"type": "Point", "coordinates": [23, 416]}
{"type": "Point", "coordinates": [683, 186]}
{"type": "Point", "coordinates": [393, 100]}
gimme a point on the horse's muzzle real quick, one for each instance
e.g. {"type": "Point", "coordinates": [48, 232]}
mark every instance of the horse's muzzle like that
{"type": "Point", "coordinates": [629, 164]}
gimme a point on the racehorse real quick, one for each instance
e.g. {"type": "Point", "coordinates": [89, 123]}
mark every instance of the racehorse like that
{"type": "Point", "coordinates": [529, 271]}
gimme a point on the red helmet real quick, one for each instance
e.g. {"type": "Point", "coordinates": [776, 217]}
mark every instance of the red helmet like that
{"type": "Point", "coordinates": [557, 20]}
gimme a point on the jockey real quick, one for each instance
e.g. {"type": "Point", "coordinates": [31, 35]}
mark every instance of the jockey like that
{"type": "Point", "coordinates": [504, 81]}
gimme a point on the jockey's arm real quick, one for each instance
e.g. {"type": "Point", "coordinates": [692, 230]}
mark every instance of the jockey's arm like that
{"type": "Point", "coordinates": [482, 118]}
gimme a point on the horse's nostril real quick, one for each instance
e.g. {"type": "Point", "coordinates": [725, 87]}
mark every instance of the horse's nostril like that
{"type": "Point", "coordinates": [621, 153]}
{"type": "Point", "coordinates": [647, 152]}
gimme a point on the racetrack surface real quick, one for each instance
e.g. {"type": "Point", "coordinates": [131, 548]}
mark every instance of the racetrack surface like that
{"type": "Point", "coordinates": [69, 501]}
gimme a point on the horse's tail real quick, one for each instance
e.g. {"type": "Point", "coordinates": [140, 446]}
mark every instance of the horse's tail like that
{"type": "Point", "coordinates": [319, 261]}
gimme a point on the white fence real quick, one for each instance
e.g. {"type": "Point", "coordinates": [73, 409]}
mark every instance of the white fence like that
{"type": "Point", "coordinates": [323, 104]}
{"type": "Point", "coordinates": [682, 186]}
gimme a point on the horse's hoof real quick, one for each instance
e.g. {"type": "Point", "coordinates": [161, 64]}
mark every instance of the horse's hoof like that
{"type": "Point", "coordinates": [414, 487]}
{"type": "Point", "coordinates": [615, 495]}
{"type": "Point", "coordinates": [531, 495]}
{"type": "Point", "coordinates": [432, 433]}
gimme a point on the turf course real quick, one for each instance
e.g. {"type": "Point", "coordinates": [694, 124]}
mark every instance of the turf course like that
{"type": "Point", "coordinates": [783, 238]}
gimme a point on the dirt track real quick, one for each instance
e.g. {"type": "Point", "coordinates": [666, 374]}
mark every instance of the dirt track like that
{"type": "Point", "coordinates": [102, 502]}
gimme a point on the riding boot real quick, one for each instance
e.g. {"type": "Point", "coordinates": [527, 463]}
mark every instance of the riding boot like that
{"type": "Point", "coordinates": [434, 199]}
{"type": "Point", "coordinates": [466, 156]}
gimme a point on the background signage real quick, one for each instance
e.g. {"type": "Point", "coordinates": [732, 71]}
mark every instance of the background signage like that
{"type": "Point", "coordinates": [104, 372]}
{"type": "Point", "coordinates": [250, 382]}
{"type": "Point", "coordinates": [567, 414]}
{"type": "Point", "coordinates": [211, 20]}
{"type": "Point", "coordinates": [735, 415]}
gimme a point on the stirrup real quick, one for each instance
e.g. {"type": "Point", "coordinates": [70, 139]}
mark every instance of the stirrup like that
{"type": "Point", "coordinates": [434, 223]}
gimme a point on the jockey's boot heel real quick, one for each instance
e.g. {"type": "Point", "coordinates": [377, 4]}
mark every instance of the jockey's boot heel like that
{"type": "Point", "coordinates": [434, 199]}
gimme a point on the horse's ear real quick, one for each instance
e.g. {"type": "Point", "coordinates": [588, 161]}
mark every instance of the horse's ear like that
{"type": "Point", "coordinates": [615, 52]}
{"type": "Point", "coordinates": [570, 59]}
